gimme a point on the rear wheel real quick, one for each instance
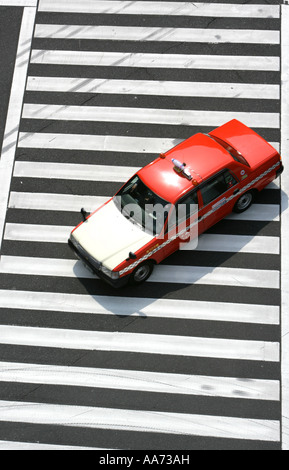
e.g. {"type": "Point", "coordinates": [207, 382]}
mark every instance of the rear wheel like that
{"type": "Point", "coordinates": [244, 202]}
{"type": "Point", "coordinates": [141, 273]}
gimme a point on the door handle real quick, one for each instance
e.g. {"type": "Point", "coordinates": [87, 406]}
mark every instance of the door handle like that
{"type": "Point", "coordinates": [236, 191]}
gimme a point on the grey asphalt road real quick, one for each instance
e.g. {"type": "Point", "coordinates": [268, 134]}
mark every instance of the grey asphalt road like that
{"type": "Point", "coordinates": [10, 22]}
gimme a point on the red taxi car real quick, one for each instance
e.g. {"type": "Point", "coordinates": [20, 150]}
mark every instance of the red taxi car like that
{"type": "Point", "coordinates": [220, 172]}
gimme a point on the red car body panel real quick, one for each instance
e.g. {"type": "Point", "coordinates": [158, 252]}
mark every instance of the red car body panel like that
{"type": "Point", "coordinates": [203, 157]}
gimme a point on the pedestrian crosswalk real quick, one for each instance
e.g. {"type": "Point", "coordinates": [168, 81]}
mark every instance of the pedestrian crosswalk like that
{"type": "Point", "coordinates": [190, 359]}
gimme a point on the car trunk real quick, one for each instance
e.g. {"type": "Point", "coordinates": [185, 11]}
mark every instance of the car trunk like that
{"type": "Point", "coordinates": [251, 145]}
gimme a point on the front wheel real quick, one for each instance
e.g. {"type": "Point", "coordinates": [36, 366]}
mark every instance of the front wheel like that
{"type": "Point", "coordinates": [244, 202]}
{"type": "Point", "coordinates": [141, 273]}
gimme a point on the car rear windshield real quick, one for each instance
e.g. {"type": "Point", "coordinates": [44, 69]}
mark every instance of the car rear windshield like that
{"type": "Point", "coordinates": [231, 150]}
{"type": "Point", "coordinates": [142, 206]}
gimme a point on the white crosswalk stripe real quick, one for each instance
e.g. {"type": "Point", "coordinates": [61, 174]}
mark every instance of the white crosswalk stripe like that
{"type": "Point", "coordinates": [242, 243]}
{"type": "Point", "coordinates": [94, 142]}
{"type": "Point", "coordinates": [147, 116]}
{"type": "Point", "coordinates": [73, 171]}
{"type": "Point", "coordinates": [161, 8]}
{"type": "Point", "coordinates": [156, 34]}
{"type": "Point", "coordinates": [139, 381]}
{"type": "Point", "coordinates": [14, 445]}
{"type": "Point", "coordinates": [142, 343]}
{"type": "Point", "coordinates": [194, 353]}
{"type": "Point", "coordinates": [179, 274]}
{"type": "Point", "coordinates": [108, 143]}
{"type": "Point", "coordinates": [158, 88]}
{"type": "Point", "coordinates": [186, 61]}
{"type": "Point", "coordinates": [107, 418]}
{"type": "Point", "coordinates": [157, 308]}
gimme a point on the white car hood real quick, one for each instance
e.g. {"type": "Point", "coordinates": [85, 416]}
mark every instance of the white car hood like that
{"type": "Point", "coordinates": [109, 237]}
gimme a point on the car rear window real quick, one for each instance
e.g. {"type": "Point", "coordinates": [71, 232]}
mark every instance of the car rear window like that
{"type": "Point", "coordinates": [231, 150]}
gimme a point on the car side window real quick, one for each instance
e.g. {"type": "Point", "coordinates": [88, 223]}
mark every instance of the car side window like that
{"type": "Point", "coordinates": [184, 207]}
{"type": "Point", "coordinates": [217, 186]}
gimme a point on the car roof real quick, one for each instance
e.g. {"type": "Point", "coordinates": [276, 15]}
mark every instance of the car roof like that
{"type": "Point", "coordinates": [203, 157]}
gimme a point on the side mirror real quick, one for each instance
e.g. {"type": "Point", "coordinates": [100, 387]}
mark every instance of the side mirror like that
{"type": "Point", "coordinates": [84, 214]}
{"type": "Point", "coordinates": [131, 256]}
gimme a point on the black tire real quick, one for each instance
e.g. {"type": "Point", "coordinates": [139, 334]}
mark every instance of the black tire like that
{"type": "Point", "coordinates": [244, 202]}
{"type": "Point", "coordinates": [141, 273]}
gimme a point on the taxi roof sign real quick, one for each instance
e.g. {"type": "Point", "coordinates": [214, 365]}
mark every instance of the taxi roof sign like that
{"type": "Point", "coordinates": [181, 168]}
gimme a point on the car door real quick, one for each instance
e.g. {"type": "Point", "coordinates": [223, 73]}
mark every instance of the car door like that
{"type": "Point", "coordinates": [216, 200]}
{"type": "Point", "coordinates": [182, 227]}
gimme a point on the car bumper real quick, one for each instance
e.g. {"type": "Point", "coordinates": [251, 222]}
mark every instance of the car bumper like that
{"type": "Point", "coordinates": [280, 170]}
{"type": "Point", "coordinates": [120, 282]}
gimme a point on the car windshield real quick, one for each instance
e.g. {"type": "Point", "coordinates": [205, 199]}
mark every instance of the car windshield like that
{"type": "Point", "coordinates": [142, 206]}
